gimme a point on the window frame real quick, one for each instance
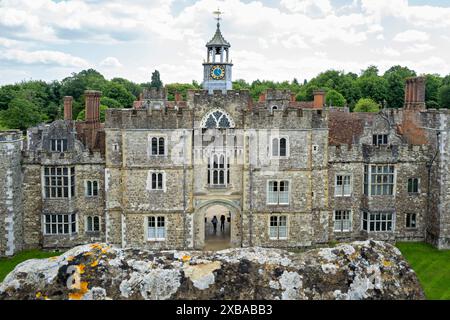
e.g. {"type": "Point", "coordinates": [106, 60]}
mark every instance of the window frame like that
{"type": "Point", "coordinates": [220, 168]}
{"type": "Point", "coordinates": [408, 215]}
{"type": "Point", "coordinates": [418, 186]}
{"type": "Point", "coordinates": [86, 224]}
{"type": "Point", "coordinates": [369, 174]}
{"type": "Point", "coordinates": [158, 138]}
{"type": "Point", "coordinates": [368, 221]}
{"type": "Point", "coordinates": [349, 219]}
{"type": "Point", "coordinates": [157, 220]}
{"type": "Point", "coordinates": [287, 147]}
{"type": "Point", "coordinates": [61, 145]}
{"type": "Point", "coordinates": [343, 175]}
{"type": "Point", "coordinates": [278, 216]}
{"type": "Point", "coordinates": [380, 136]}
{"type": "Point", "coordinates": [86, 188]}
{"type": "Point", "coordinates": [289, 185]}
{"type": "Point", "coordinates": [54, 183]}
{"type": "Point", "coordinates": [71, 223]}
{"type": "Point", "coordinates": [150, 181]}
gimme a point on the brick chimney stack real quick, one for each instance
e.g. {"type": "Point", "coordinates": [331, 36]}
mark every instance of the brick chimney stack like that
{"type": "Point", "coordinates": [92, 110]}
{"type": "Point", "coordinates": [178, 97]}
{"type": "Point", "coordinates": [262, 97]}
{"type": "Point", "coordinates": [292, 97]}
{"type": "Point", "coordinates": [319, 99]}
{"type": "Point", "coordinates": [415, 93]}
{"type": "Point", "coordinates": [68, 108]}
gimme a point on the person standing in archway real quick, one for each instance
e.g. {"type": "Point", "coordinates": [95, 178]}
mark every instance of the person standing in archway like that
{"type": "Point", "coordinates": [214, 222]}
{"type": "Point", "coordinates": [222, 223]}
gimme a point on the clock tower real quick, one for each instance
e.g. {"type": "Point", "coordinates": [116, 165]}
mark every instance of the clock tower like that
{"type": "Point", "coordinates": [217, 67]}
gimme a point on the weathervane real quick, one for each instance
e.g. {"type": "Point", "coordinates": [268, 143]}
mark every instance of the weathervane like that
{"type": "Point", "coordinates": [218, 13]}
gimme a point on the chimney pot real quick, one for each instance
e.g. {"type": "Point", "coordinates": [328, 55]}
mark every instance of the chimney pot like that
{"type": "Point", "coordinates": [68, 108]}
{"type": "Point", "coordinates": [319, 99]}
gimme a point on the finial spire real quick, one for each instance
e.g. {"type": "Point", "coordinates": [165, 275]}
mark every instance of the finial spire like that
{"type": "Point", "coordinates": [218, 13]}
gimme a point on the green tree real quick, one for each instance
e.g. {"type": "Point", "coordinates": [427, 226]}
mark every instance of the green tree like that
{"type": "Point", "coordinates": [395, 84]}
{"type": "Point", "coordinates": [118, 92]}
{"type": "Point", "coordinates": [134, 88]}
{"type": "Point", "coordinates": [240, 84]}
{"type": "Point", "coordinates": [156, 80]}
{"type": "Point", "coordinates": [373, 87]}
{"type": "Point", "coordinates": [21, 114]}
{"type": "Point", "coordinates": [366, 105]}
{"type": "Point", "coordinates": [444, 96]}
{"type": "Point", "coordinates": [432, 85]}
{"type": "Point", "coordinates": [110, 102]}
{"type": "Point", "coordinates": [334, 99]}
{"type": "Point", "coordinates": [82, 114]}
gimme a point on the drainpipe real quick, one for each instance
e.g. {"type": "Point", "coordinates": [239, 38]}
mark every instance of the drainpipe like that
{"type": "Point", "coordinates": [429, 167]}
{"type": "Point", "coordinates": [184, 191]}
{"type": "Point", "coordinates": [250, 224]}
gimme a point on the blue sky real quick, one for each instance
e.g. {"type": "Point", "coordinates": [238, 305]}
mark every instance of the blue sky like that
{"type": "Point", "coordinates": [277, 40]}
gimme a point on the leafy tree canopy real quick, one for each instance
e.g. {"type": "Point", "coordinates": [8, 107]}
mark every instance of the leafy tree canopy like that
{"type": "Point", "coordinates": [334, 98]}
{"type": "Point", "coordinates": [366, 105]}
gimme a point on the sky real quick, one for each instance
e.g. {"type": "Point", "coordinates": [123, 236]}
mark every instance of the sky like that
{"type": "Point", "coordinates": [272, 40]}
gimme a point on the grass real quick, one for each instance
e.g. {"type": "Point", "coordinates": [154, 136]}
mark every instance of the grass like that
{"type": "Point", "coordinates": [432, 267]}
{"type": "Point", "coordinates": [8, 264]}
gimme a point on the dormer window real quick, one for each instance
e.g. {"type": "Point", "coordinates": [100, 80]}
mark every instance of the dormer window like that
{"type": "Point", "coordinates": [58, 145]}
{"type": "Point", "coordinates": [380, 139]}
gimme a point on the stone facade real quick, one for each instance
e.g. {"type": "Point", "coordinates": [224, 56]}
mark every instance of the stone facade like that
{"type": "Point", "coordinates": [291, 174]}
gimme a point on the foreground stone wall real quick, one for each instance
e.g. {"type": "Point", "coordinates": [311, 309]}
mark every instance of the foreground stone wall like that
{"type": "Point", "coordinates": [359, 270]}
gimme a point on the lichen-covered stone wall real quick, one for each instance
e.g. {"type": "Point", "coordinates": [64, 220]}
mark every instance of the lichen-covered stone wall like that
{"type": "Point", "coordinates": [366, 270]}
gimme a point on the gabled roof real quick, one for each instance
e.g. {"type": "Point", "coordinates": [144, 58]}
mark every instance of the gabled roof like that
{"type": "Point", "coordinates": [218, 40]}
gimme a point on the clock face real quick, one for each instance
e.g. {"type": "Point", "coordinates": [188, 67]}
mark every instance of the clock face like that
{"type": "Point", "coordinates": [217, 72]}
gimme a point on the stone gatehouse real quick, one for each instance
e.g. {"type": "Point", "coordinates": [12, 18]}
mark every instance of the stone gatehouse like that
{"type": "Point", "coordinates": [282, 173]}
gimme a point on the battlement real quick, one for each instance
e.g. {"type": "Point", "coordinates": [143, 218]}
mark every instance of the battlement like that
{"type": "Point", "coordinates": [203, 96]}
{"type": "Point", "coordinates": [276, 94]}
{"type": "Point", "coordinates": [154, 94]}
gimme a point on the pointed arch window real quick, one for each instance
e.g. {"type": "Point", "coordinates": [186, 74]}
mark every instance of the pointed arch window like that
{"type": "Point", "coordinates": [280, 147]}
{"type": "Point", "coordinates": [218, 170]}
{"type": "Point", "coordinates": [217, 119]}
{"type": "Point", "coordinates": [157, 146]}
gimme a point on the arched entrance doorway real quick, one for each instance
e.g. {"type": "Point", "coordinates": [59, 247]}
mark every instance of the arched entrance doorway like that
{"type": "Point", "coordinates": [218, 234]}
{"type": "Point", "coordinates": [228, 237]}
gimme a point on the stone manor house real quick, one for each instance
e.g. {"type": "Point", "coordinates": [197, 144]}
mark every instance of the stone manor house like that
{"type": "Point", "coordinates": [289, 174]}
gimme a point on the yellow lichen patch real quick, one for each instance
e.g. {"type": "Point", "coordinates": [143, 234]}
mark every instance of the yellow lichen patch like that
{"type": "Point", "coordinates": [70, 258]}
{"type": "Point", "coordinates": [94, 264]}
{"type": "Point", "coordinates": [79, 294]}
{"type": "Point", "coordinates": [96, 246]}
{"type": "Point", "coordinates": [83, 286]}
{"type": "Point", "coordinates": [76, 296]}
{"type": "Point", "coordinates": [80, 268]}
{"type": "Point", "coordinates": [52, 258]}
{"type": "Point", "coordinates": [89, 253]}
{"type": "Point", "coordinates": [387, 263]}
{"type": "Point", "coordinates": [105, 250]}
{"type": "Point", "coordinates": [186, 258]}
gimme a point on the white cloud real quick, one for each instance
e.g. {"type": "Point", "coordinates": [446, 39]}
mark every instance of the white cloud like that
{"type": "Point", "coordinates": [295, 41]}
{"type": "Point", "coordinates": [43, 57]}
{"type": "Point", "coordinates": [419, 48]}
{"type": "Point", "coordinates": [312, 7]}
{"type": "Point", "coordinates": [285, 39]}
{"type": "Point", "coordinates": [111, 62]}
{"type": "Point", "coordinates": [412, 36]}
{"type": "Point", "coordinates": [388, 51]}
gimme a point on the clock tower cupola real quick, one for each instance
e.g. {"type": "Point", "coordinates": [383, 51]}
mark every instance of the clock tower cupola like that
{"type": "Point", "coordinates": [217, 67]}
